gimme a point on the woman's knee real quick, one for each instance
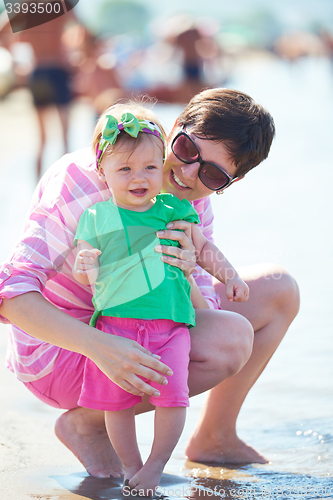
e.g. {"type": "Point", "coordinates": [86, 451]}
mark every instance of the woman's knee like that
{"type": "Point", "coordinates": [282, 290]}
{"type": "Point", "coordinates": [231, 342]}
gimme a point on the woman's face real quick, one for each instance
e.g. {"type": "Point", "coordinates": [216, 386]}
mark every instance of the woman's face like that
{"type": "Point", "coordinates": [181, 179]}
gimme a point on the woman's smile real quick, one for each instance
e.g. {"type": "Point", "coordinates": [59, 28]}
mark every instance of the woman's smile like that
{"type": "Point", "coordinates": [176, 179]}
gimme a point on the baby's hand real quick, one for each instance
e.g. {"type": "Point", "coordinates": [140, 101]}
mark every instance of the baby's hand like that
{"type": "Point", "coordinates": [85, 260]}
{"type": "Point", "coordinates": [236, 290]}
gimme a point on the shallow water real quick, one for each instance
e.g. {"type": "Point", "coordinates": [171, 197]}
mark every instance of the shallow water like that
{"type": "Point", "coordinates": [282, 212]}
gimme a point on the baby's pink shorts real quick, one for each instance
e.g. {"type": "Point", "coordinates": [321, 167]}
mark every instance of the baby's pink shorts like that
{"type": "Point", "coordinates": [62, 387]}
{"type": "Point", "coordinates": [166, 338]}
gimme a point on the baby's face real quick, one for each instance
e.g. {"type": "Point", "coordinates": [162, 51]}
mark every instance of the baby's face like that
{"type": "Point", "coordinates": [134, 177]}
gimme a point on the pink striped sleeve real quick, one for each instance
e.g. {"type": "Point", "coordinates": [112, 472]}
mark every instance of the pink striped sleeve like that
{"type": "Point", "coordinates": [42, 261]}
{"type": "Point", "coordinates": [203, 279]}
{"type": "Point", "coordinates": [45, 250]}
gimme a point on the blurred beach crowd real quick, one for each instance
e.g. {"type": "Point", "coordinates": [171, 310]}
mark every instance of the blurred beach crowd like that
{"type": "Point", "coordinates": [126, 48]}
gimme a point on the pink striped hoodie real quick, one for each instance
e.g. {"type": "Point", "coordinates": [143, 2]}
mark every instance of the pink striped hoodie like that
{"type": "Point", "coordinates": [42, 261]}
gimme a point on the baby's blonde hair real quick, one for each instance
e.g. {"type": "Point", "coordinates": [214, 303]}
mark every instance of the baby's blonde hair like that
{"type": "Point", "coordinates": [138, 109]}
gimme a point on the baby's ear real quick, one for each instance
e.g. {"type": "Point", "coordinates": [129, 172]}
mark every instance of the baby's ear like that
{"type": "Point", "coordinates": [101, 175]}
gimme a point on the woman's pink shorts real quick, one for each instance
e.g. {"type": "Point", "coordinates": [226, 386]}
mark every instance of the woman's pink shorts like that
{"type": "Point", "coordinates": [166, 338]}
{"type": "Point", "coordinates": [62, 388]}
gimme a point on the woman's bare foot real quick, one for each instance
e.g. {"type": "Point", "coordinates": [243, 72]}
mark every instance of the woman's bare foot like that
{"type": "Point", "coordinates": [83, 432]}
{"type": "Point", "coordinates": [147, 479]}
{"type": "Point", "coordinates": [221, 449]}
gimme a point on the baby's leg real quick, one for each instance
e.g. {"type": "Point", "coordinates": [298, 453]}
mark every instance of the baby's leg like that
{"type": "Point", "coordinates": [169, 424]}
{"type": "Point", "coordinates": [120, 426]}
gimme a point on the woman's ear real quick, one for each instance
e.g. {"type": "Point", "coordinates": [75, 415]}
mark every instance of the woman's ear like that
{"type": "Point", "coordinates": [221, 191]}
{"type": "Point", "coordinates": [239, 178]}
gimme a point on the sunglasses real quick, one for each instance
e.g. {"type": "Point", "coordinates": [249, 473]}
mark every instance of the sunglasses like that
{"type": "Point", "coordinates": [211, 175]}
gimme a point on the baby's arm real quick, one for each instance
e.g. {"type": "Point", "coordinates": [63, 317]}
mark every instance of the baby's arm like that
{"type": "Point", "coordinates": [210, 258]}
{"type": "Point", "coordinates": [86, 265]}
{"type": "Point", "coordinates": [197, 299]}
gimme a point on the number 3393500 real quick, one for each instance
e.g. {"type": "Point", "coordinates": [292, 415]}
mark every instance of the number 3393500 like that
{"type": "Point", "coordinates": [33, 8]}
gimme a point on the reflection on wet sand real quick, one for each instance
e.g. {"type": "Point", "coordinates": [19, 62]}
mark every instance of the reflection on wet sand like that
{"type": "Point", "coordinates": [253, 482]}
{"type": "Point", "coordinates": [61, 484]}
{"type": "Point", "coordinates": [200, 481]}
{"type": "Point", "coordinates": [98, 489]}
{"type": "Point", "coordinates": [89, 487]}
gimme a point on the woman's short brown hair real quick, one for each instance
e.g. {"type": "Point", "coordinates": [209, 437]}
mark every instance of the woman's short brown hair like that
{"type": "Point", "coordinates": [234, 118]}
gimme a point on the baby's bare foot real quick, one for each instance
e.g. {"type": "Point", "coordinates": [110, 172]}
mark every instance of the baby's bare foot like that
{"type": "Point", "coordinates": [83, 432]}
{"type": "Point", "coordinates": [147, 479]}
{"type": "Point", "coordinates": [129, 472]}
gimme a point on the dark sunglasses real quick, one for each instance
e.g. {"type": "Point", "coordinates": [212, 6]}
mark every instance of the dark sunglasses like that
{"type": "Point", "coordinates": [211, 175]}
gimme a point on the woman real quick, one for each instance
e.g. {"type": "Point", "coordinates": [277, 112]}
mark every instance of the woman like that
{"type": "Point", "coordinates": [233, 134]}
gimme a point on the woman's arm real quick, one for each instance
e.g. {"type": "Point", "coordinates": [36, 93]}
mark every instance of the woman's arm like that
{"type": "Point", "coordinates": [122, 360]}
{"type": "Point", "coordinates": [195, 247]}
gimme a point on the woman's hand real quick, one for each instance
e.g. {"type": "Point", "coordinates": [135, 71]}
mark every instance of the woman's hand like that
{"type": "Point", "coordinates": [124, 361]}
{"type": "Point", "coordinates": [184, 256]}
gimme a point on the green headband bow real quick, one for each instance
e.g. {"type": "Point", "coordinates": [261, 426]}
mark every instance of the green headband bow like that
{"type": "Point", "coordinates": [130, 124]}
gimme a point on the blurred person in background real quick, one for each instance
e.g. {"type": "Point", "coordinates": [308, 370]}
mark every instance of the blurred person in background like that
{"type": "Point", "coordinates": [50, 77]}
{"type": "Point", "coordinates": [96, 77]}
{"type": "Point", "coordinates": [327, 38]}
{"type": "Point", "coordinates": [195, 58]}
{"type": "Point", "coordinates": [293, 46]}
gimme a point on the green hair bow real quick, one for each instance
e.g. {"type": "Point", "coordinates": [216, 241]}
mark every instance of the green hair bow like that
{"type": "Point", "coordinates": [112, 128]}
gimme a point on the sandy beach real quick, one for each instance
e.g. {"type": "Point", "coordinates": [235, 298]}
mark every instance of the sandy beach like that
{"type": "Point", "coordinates": [282, 213]}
